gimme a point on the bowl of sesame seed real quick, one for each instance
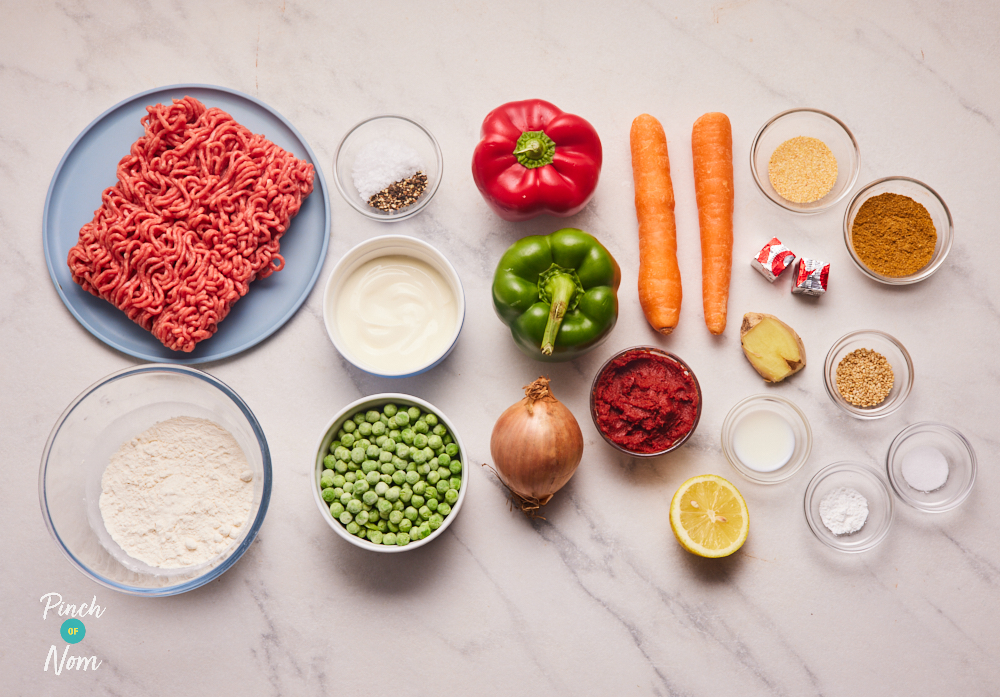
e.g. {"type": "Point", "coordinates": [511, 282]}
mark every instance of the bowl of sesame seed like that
{"type": "Point", "coordinates": [388, 167]}
{"type": "Point", "coordinates": [868, 374]}
{"type": "Point", "coordinates": [804, 160]}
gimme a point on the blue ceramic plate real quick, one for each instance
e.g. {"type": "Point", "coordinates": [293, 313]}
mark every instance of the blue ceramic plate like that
{"type": "Point", "coordinates": [89, 167]}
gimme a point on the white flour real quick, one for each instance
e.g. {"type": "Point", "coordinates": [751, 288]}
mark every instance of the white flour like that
{"type": "Point", "coordinates": [177, 494]}
{"type": "Point", "coordinates": [844, 510]}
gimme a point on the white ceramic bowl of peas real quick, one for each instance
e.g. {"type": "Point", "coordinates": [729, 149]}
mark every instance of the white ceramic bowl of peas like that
{"type": "Point", "coordinates": [386, 520]}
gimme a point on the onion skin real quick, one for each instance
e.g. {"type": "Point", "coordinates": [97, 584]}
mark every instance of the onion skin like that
{"type": "Point", "coordinates": [536, 446]}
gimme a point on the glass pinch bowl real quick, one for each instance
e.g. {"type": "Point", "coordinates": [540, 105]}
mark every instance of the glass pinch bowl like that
{"type": "Point", "coordinates": [895, 354]}
{"type": "Point", "coordinates": [867, 481]}
{"type": "Point", "coordinates": [922, 194]}
{"type": "Point", "coordinates": [93, 427]}
{"type": "Point", "coordinates": [957, 452]}
{"type": "Point", "coordinates": [399, 129]}
{"type": "Point", "coordinates": [811, 123]}
{"type": "Point", "coordinates": [788, 412]}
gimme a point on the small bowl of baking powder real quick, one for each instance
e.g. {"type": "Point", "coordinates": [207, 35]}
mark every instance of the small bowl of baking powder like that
{"type": "Point", "coordinates": [155, 480]}
{"type": "Point", "coordinates": [848, 506]}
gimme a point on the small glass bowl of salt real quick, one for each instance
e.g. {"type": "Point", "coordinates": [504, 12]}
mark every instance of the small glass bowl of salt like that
{"type": "Point", "coordinates": [931, 466]}
{"type": "Point", "coordinates": [849, 506]}
{"type": "Point", "coordinates": [388, 167]}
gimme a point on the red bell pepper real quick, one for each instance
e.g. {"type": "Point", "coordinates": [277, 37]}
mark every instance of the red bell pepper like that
{"type": "Point", "coordinates": [534, 158]}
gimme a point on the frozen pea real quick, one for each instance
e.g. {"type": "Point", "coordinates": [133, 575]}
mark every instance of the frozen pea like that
{"type": "Point", "coordinates": [392, 526]}
{"type": "Point", "coordinates": [424, 469]}
{"type": "Point", "coordinates": [340, 466]}
{"type": "Point", "coordinates": [383, 419]}
{"type": "Point", "coordinates": [369, 497]}
{"type": "Point", "coordinates": [353, 506]}
{"type": "Point", "coordinates": [353, 528]}
{"type": "Point", "coordinates": [425, 530]}
{"type": "Point", "coordinates": [382, 526]}
{"type": "Point", "coordinates": [391, 494]}
{"type": "Point", "coordinates": [402, 419]}
{"type": "Point", "coordinates": [420, 440]}
{"type": "Point", "coordinates": [327, 476]}
{"type": "Point", "coordinates": [439, 430]}
{"type": "Point", "coordinates": [405, 495]}
{"type": "Point", "coordinates": [456, 483]}
{"type": "Point", "coordinates": [329, 462]}
{"type": "Point", "coordinates": [361, 486]}
{"type": "Point", "coordinates": [342, 453]}
{"type": "Point", "coordinates": [412, 478]}
{"type": "Point", "coordinates": [402, 539]}
{"type": "Point", "coordinates": [389, 444]}
{"type": "Point", "coordinates": [363, 443]}
{"type": "Point", "coordinates": [379, 429]}
{"type": "Point", "coordinates": [390, 409]}
{"type": "Point", "coordinates": [411, 467]}
{"type": "Point", "coordinates": [352, 466]}
{"type": "Point", "coordinates": [345, 517]}
{"type": "Point", "coordinates": [386, 478]}
{"type": "Point", "coordinates": [339, 480]}
{"type": "Point", "coordinates": [381, 488]}
{"type": "Point", "coordinates": [385, 456]}
{"type": "Point", "coordinates": [349, 487]}
{"type": "Point", "coordinates": [394, 434]}
{"type": "Point", "coordinates": [418, 456]}
{"type": "Point", "coordinates": [375, 536]}
{"type": "Point", "coordinates": [444, 472]}
{"type": "Point", "coordinates": [373, 516]}
{"type": "Point", "coordinates": [398, 505]}
{"type": "Point", "coordinates": [455, 466]}
{"type": "Point", "coordinates": [433, 477]}
{"type": "Point", "coordinates": [421, 428]}
{"type": "Point", "coordinates": [398, 462]}
{"type": "Point", "coordinates": [365, 429]}
{"type": "Point", "coordinates": [338, 492]}
{"type": "Point", "coordinates": [432, 504]}
{"type": "Point", "coordinates": [451, 449]}
{"type": "Point", "coordinates": [392, 424]}
{"type": "Point", "coordinates": [407, 435]}
{"type": "Point", "coordinates": [402, 450]}
{"type": "Point", "coordinates": [359, 418]}
{"type": "Point", "coordinates": [380, 441]}
{"type": "Point", "coordinates": [371, 478]}
{"type": "Point", "coordinates": [433, 462]}
{"type": "Point", "coordinates": [413, 413]}
{"type": "Point", "coordinates": [444, 508]}
{"type": "Point", "coordinates": [389, 538]}
{"type": "Point", "coordinates": [350, 477]}
{"type": "Point", "coordinates": [373, 452]}
{"type": "Point", "coordinates": [395, 517]}
{"type": "Point", "coordinates": [369, 466]}
{"type": "Point", "coordinates": [450, 496]}
{"type": "Point", "coordinates": [329, 494]}
{"type": "Point", "coordinates": [447, 440]}
{"type": "Point", "coordinates": [336, 508]}
{"type": "Point", "coordinates": [434, 443]}
{"type": "Point", "coordinates": [349, 426]}
{"type": "Point", "coordinates": [444, 459]}
{"type": "Point", "coordinates": [430, 456]}
{"type": "Point", "coordinates": [361, 518]}
{"type": "Point", "coordinates": [435, 521]}
{"type": "Point", "coordinates": [420, 487]}
{"type": "Point", "coordinates": [387, 469]}
{"type": "Point", "coordinates": [357, 456]}
{"type": "Point", "coordinates": [417, 500]}
{"type": "Point", "coordinates": [405, 525]}
{"type": "Point", "coordinates": [384, 507]}
{"type": "Point", "coordinates": [431, 419]}
{"type": "Point", "coordinates": [398, 477]}
{"type": "Point", "coordinates": [425, 512]}
{"type": "Point", "coordinates": [442, 486]}
{"type": "Point", "coordinates": [410, 513]}
{"type": "Point", "coordinates": [372, 416]}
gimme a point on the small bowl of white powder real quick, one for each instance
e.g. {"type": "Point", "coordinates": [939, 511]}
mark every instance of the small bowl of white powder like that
{"type": "Point", "coordinates": [388, 168]}
{"type": "Point", "coordinates": [848, 506]}
{"type": "Point", "coordinates": [155, 480]}
{"type": "Point", "coordinates": [931, 466]}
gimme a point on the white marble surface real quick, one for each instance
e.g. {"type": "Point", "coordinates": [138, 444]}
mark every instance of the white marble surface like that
{"type": "Point", "coordinates": [598, 598]}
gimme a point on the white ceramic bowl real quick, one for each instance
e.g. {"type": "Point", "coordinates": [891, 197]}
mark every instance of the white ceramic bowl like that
{"type": "Point", "coordinates": [394, 128]}
{"type": "Point", "coordinates": [90, 431]}
{"type": "Point", "coordinates": [389, 245]}
{"type": "Point", "coordinates": [812, 123]}
{"type": "Point", "coordinates": [330, 432]}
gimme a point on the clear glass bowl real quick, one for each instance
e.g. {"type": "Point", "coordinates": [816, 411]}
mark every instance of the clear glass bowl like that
{"type": "Point", "coordinates": [90, 431]}
{"type": "Point", "coordinates": [812, 123]}
{"type": "Point", "coordinates": [791, 414]}
{"type": "Point", "coordinates": [373, 248]}
{"type": "Point", "coordinates": [676, 359]}
{"type": "Point", "coordinates": [956, 450]}
{"type": "Point", "coordinates": [377, 402]}
{"type": "Point", "coordinates": [395, 128]}
{"type": "Point", "coordinates": [922, 194]}
{"type": "Point", "coordinates": [899, 359]}
{"type": "Point", "coordinates": [869, 483]}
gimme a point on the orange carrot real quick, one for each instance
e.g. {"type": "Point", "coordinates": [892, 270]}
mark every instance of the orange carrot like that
{"type": "Point", "coordinates": [659, 275]}
{"type": "Point", "coordinates": [712, 151]}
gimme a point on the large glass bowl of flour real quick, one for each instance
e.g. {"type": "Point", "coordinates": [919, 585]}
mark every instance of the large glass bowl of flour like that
{"type": "Point", "coordinates": [107, 422]}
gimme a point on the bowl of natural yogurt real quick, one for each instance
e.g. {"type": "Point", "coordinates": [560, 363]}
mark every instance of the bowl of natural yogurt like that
{"type": "Point", "coordinates": [394, 306]}
{"type": "Point", "coordinates": [155, 480]}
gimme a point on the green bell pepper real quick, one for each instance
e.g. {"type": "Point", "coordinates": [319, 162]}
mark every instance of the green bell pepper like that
{"type": "Point", "coordinates": [558, 294]}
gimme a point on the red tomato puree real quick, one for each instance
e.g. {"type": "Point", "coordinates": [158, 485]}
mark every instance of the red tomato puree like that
{"type": "Point", "coordinates": [645, 402]}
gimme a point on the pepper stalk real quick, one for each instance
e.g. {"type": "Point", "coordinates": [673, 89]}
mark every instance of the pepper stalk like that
{"type": "Point", "coordinates": [561, 289]}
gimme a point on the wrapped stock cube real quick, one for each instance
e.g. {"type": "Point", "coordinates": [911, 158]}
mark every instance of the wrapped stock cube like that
{"type": "Point", "coordinates": [811, 277]}
{"type": "Point", "coordinates": [773, 259]}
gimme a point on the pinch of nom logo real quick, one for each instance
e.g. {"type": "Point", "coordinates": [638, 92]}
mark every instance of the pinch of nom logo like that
{"type": "Point", "coordinates": [72, 631]}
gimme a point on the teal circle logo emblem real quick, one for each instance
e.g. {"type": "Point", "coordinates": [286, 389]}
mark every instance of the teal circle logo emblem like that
{"type": "Point", "coordinates": [72, 631]}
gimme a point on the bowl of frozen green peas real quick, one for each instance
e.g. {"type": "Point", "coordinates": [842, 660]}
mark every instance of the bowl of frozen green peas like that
{"type": "Point", "coordinates": [389, 473]}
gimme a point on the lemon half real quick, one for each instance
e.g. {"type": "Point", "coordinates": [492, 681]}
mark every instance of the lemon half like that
{"type": "Point", "coordinates": [709, 516]}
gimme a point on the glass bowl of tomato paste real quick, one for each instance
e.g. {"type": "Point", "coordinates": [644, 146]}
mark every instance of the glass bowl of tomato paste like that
{"type": "Point", "coordinates": [645, 401]}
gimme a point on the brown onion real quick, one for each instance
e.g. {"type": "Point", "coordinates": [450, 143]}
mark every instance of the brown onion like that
{"type": "Point", "coordinates": [536, 446]}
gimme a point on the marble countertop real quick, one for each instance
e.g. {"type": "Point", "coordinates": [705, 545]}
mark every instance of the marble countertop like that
{"type": "Point", "coordinates": [598, 598]}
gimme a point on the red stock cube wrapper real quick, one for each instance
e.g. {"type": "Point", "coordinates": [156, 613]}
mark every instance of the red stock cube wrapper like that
{"type": "Point", "coordinates": [811, 277]}
{"type": "Point", "coordinates": [773, 259]}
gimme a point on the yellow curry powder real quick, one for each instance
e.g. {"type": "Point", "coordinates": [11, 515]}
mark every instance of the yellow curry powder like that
{"type": "Point", "coordinates": [893, 235]}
